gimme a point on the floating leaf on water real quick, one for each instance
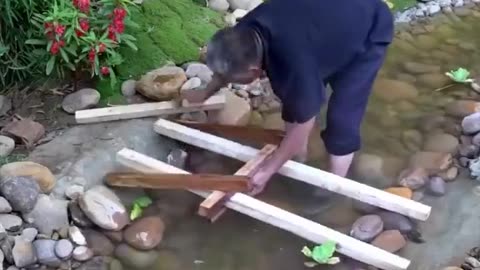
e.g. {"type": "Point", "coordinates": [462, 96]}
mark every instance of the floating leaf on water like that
{"type": "Point", "coordinates": [143, 201]}
{"type": "Point", "coordinates": [333, 260]}
{"type": "Point", "coordinates": [136, 212]}
{"type": "Point", "coordinates": [461, 75]}
{"type": "Point", "coordinates": [324, 252]}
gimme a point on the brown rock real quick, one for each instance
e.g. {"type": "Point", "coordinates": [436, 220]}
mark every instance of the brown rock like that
{"type": "Point", "coordinates": [391, 241]}
{"type": "Point", "coordinates": [366, 228]}
{"type": "Point", "coordinates": [393, 90]}
{"type": "Point", "coordinates": [441, 142]}
{"type": "Point", "coordinates": [98, 243]}
{"type": "Point", "coordinates": [433, 80]}
{"type": "Point", "coordinates": [462, 108]}
{"type": "Point", "coordinates": [116, 237]}
{"type": "Point", "coordinates": [400, 191]}
{"type": "Point", "coordinates": [162, 84]}
{"type": "Point", "coordinates": [236, 111]}
{"type": "Point", "coordinates": [419, 68]}
{"type": "Point", "coordinates": [413, 178]}
{"type": "Point", "coordinates": [433, 162]}
{"type": "Point", "coordinates": [145, 233]}
{"type": "Point", "coordinates": [44, 177]}
{"type": "Point", "coordinates": [450, 174]}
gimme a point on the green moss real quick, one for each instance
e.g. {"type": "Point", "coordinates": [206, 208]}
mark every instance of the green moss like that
{"type": "Point", "coordinates": [400, 5]}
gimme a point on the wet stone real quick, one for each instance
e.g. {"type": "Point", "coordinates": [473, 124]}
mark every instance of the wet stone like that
{"type": "Point", "coordinates": [82, 253]}
{"type": "Point", "coordinates": [64, 249]}
{"type": "Point", "coordinates": [45, 252]}
{"type": "Point", "coordinates": [395, 221]}
{"type": "Point", "coordinates": [77, 215]}
{"type": "Point", "coordinates": [436, 186]}
{"type": "Point", "coordinates": [366, 228]}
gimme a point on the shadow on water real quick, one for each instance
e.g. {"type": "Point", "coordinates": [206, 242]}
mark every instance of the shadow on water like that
{"type": "Point", "coordinates": [405, 104]}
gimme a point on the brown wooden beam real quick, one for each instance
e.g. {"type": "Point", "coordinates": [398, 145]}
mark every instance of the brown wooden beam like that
{"type": "Point", "coordinates": [205, 182]}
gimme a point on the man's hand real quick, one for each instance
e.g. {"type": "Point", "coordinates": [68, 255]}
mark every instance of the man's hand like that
{"type": "Point", "coordinates": [200, 95]}
{"type": "Point", "coordinates": [259, 181]}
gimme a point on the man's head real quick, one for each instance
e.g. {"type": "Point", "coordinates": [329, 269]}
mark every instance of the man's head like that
{"type": "Point", "coordinates": [235, 55]}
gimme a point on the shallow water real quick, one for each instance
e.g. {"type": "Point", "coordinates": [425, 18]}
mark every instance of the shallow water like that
{"type": "Point", "coordinates": [238, 242]}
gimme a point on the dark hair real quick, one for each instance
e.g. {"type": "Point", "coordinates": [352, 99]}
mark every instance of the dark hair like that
{"type": "Point", "coordinates": [233, 50]}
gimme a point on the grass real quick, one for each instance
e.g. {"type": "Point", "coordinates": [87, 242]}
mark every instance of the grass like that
{"type": "Point", "coordinates": [400, 5]}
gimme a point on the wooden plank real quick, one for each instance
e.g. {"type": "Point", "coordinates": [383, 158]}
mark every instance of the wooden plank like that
{"type": "Point", "coordinates": [212, 207]}
{"type": "Point", "coordinates": [297, 171]}
{"type": "Point", "coordinates": [227, 183]}
{"type": "Point", "coordinates": [280, 218]}
{"type": "Point", "coordinates": [123, 112]}
{"type": "Point", "coordinates": [255, 134]}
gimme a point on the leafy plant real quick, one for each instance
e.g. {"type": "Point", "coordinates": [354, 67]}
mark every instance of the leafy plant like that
{"type": "Point", "coordinates": [138, 205]}
{"type": "Point", "coordinates": [84, 35]}
{"type": "Point", "coordinates": [461, 75]}
{"type": "Point", "coordinates": [321, 254]}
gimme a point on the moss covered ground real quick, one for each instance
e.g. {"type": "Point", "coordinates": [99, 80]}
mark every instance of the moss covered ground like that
{"type": "Point", "coordinates": [168, 30]}
{"type": "Point", "coordinates": [402, 4]}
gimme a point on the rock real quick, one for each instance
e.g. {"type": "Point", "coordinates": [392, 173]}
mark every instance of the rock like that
{"type": "Point", "coordinates": [29, 234]}
{"type": "Point", "coordinates": [433, 80]}
{"type": "Point", "coordinates": [450, 174]}
{"type": "Point", "coordinates": [476, 139]}
{"type": "Point", "coordinates": [97, 263]}
{"type": "Point", "coordinates": [116, 237]}
{"type": "Point", "coordinates": [417, 195]}
{"type": "Point", "coordinates": [471, 123]}
{"type": "Point", "coordinates": [128, 88]}
{"type": "Point", "coordinates": [21, 191]}
{"type": "Point", "coordinates": [441, 142]}
{"type": "Point", "coordinates": [452, 268]}
{"type": "Point", "coordinates": [368, 166]}
{"type": "Point", "coordinates": [78, 217]}
{"type": "Point", "coordinates": [462, 108]}
{"type": "Point", "coordinates": [364, 208]}
{"type": "Point", "coordinates": [5, 206]}
{"type": "Point", "coordinates": [419, 68]}
{"type": "Point", "coordinates": [239, 4]}
{"type": "Point", "coordinates": [413, 178]}
{"type": "Point", "coordinates": [239, 13]}
{"type": "Point", "coordinates": [230, 20]}
{"type": "Point", "coordinates": [5, 105]}
{"type": "Point", "coordinates": [162, 84]}
{"type": "Point", "coordinates": [2, 258]}
{"type": "Point", "coordinates": [436, 186]}
{"type": "Point", "coordinates": [45, 252]}
{"type": "Point", "coordinates": [433, 162]}
{"type": "Point", "coordinates": [133, 258]}
{"type": "Point", "coordinates": [3, 233]}
{"type": "Point", "coordinates": [395, 221]}
{"type": "Point", "coordinates": [54, 209]}
{"type": "Point", "coordinates": [391, 241]}
{"type": "Point", "coordinates": [64, 249]}
{"type": "Point", "coordinates": [177, 158]}
{"type": "Point", "coordinates": [253, 4]}
{"type": "Point", "coordinates": [99, 243]}
{"type": "Point", "coordinates": [392, 90]}
{"type": "Point", "coordinates": [23, 253]}
{"type": "Point", "coordinates": [199, 70]}
{"type": "Point", "coordinates": [73, 192]}
{"type": "Point", "coordinates": [273, 121]}
{"type": "Point", "coordinates": [400, 191]}
{"type": "Point", "coordinates": [10, 222]}
{"type": "Point", "coordinates": [145, 233]}
{"type": "Point", "coordinates": [82, 99]}
{"type": "Point", "coordinates": [115, 265]}
{"type": "Point", "coordinates": [82, 253]}
{"type": "Point", "coordinates": [236, 111]}
{"type": "Point", "coordinates": [256, 119]}
{"type": "Point", "coordinates": [7, 246]}
{"type": "Point", "coordinates": [425, 42]}
{"type": "Point", "coordinates": [366, 228]}
{"type": "Point", "coordinates": [219, 5]}
{"type": "Point", "coordinates": [7, 145]}
{"type": "Point", "coordinates": [473, 262]}
{"type": "Point", "coordinates": [191, 84]}
{"type": "Point", "coordinates": [412, 139]}
{"type": "Point", "coordinates": [38, 172]}
{"type": "Point", "coordinates": [76, 236]}
{"type": "Point", "coordinates": [468, 150]}
{"type": "Point", "coordinates": [104, 208]}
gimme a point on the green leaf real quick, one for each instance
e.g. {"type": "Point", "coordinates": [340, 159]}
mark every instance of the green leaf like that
{"type": "Point", "coordinates": [143, 201]}
{"type": "Point", "coordinates": [461, 75]}
{"type": "Point", "coordinates": [136, 212]}
{"type": "Point", "coordinates": [307, 252]}
{"type": "Point", "coordinates": [50, 65]}
{"type": "Point", "coordinates": [130, 44]}
{"type": "Point", "coordinates": [324, 252]}
{"type": "Point", "coordinates": [64, 55]}
{"type": "Point", "coordinates": [113, 82]}
{"type": "Point", "coordinates": [36, 42]}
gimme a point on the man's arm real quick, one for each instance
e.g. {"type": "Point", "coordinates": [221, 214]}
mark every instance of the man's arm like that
{"type": "Point", "coordinates": [199, 96]}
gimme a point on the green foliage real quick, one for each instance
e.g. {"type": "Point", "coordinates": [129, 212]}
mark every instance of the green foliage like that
{"type": "Point", "coordinates": [321, 254]}
{"type": "Point", "coordinates": [138, 205]}
{"type": "Point", "coordinates": [461, 75]}
{"type": "Point", "coordinates": [399, 5]}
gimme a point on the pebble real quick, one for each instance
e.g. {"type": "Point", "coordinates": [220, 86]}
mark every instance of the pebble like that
{"type": "Point", "coordinates": [192, 83]}
{"type": "Point", "coordinates": [7, 248]}
{"type": "Point", "coordinates": [199, 70]}
{"type": "Point", "coordinates": [133, 258]}
{"type": "Point", "coordinates": [395, 221]}
{"type": "Point", "coordinates": [76, 236]}
{"type": "Point", "coordinates": [21, 191]}
{"type": "Point", "coordinates": [390, 240]}
{"type": "Point", "coordinates": [54, 209]}
{"type": "Point", "coordinates": [177, 157]}
{"type": "Point", "coordinates": [82, 253]}
{"type": "Point", "coordinates": [414, 178]}
{"type": "Point", "coordinates": [99, 243]}
{"type": "Point", "coordinates": [7, 145]}
{"type": "Point", "coordinates": [64, 249]}
{"type": "Point", "coordinates": [3, 232]}
{"type": "Point", "coordinates": [400, 191]}
{"type": "Point", "coordinates": [468, 150]}
{"type": "Point", "coordinates": [10, 222]}
{"type": "Point", "coordinates": [128, 88]}
{"type": "Point", "coordinates": [29, 234]}
{"type": "Point", "coordinates": [476, 139]}
{"type": "Point", "coordinates": [23, 253]}
{"type": "Point", "coordinates": [471, 123]}
{"type": "Point", "coordinates": [433, 162]}
{"type": "Point", "coordinates": [366, 228]}
{"type": "Point", "coordinates": [78, 217]}
{"type": "Point", "coordinates": [44, 177]}
{"type": "Point", "coordinates": [73, 192]}
{"type": "Point", "coordinates": [145, 233]}
{"type": "Point", "coordinates": [462, 108]}
{"type": "Point", "coordinates": [81, 100]}
{"type": "Point", "coordinates": [450, 174]}
{"type": "Point", "coordinates": [98, 262]}
{"type": "Point", "coordinates": [5, 206]}
{"type": "Point", "coordinates": [45, 252]}
{"type": "Point", "coordinates": [436, 186]}
{"type": "Point", "coordinates": [219, 5]}
{"type": "Point", "coordinates": [104, 208]}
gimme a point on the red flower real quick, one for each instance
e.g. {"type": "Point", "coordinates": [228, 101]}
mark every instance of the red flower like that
{"type": "Point", "coordinates": [102, 48]}
{"type": "Point", "coordinates": [84, 25]}
{"type": "Point", "coordinates": [79, 33]}
{"type": "Point", "coordinates": [55, 48]}
{"type": "Point", "coordinates": [119, 13]}
{"type": "Point", "coordinates": [105, 70]}
{"type": "Point", "coordinates": [91, 55]}
{"type": "Point", "coordinates": [60, 29]}
{"type": "Point", "coordinates": [82, 5]}
{"type": "Point", "coordinates": [61, 43]}
{"type": "Point", "coordinates": [48, 25]}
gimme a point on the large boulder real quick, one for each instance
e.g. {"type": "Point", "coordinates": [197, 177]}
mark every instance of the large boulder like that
{"type": "Point", "coordinates": [162, 84]}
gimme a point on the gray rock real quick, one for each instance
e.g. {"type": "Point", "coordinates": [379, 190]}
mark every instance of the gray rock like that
{"type": "Point", "coordinates": [5, 206]}
{"type": "Point", "coordinates": [3, 232]}
{"type": "Point", "coordinates": [76, 236]}
{"type": "Point", "coordinates": [45, 252]}
{"type": "Point", "coordinates": [64, 249]}
{"type": "Point", "coordinates": [21, 191]}
{"type": "Point", "coordinates": [104, 208]}
{"type": "Point", "coordinates": [29, 234]}
{"type": "Point", "coordinates": [436, 186]}
{"type": "Point", "coordinates": [133, 258]}
{"type": "Point", "coordinates": [81, 100]}
{"type": "Point", "coordinates": [82, 253]}
{"type": "Point", "coordinates": [78, 217]}
{"type": "Point", "coordinates": [366, 228]}
{"type": "Point", "coordinates": [476, 139]}
{"type": "Point", "coordinates": [445, 3]}
{"type": "Point", "coordinates": [177, 158]}
{"type": "Point", "coordinates": [54, 209]}
{"type": "Point", "coordinates": [433, 8]}
{"type": "Point", "coordinates": [7, 145]}
{"type": "Point", "coordinates": [199, 70]}
{"type": "Point", "coordinates": [10, 222]}
{"type": "Point", "coordinates": [100, 244]}
{"type": "Point", "coordinates": [12, 268]}
{"type": "Point", "coordinates": [5, 105]}
{"type": "Point", "coordinates": [192, 83]}
{"type": "Point", "coordinates": [74, 192]}
{"type": "Point", "coordinates": [23, 253]}
{"type": "Point", "coordinates": [471, 123]}
{"type": "Point", "coordinates": [468, 150]}
{"type": "Point", "coordinates": [395, 221]}
{"type": "Point", "coordinates": [6, 246]}
{"type": "Point", "coordinates": [128, 88]}
{"type": "Point", "coordinates": [239, 4]}
{"type": "Point", "coordinates": [97, 263]}
{"type": "Point", "coordinates": [219, 5]}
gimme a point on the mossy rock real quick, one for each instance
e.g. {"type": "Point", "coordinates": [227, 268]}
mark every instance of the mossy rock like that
{"type": "Point", "coordinates": [168, 31]}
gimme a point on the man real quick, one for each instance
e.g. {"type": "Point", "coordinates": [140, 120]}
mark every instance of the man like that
{"type": "Point", "coordinates": [302, 45]}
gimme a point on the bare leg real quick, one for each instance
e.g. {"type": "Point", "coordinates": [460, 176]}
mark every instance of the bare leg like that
{"type": "Point", "coordinates": [339, 165]}
{"type": "Point", "coordinates": [303, 153]}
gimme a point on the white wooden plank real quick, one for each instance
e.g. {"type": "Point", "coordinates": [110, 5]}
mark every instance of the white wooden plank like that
{"type": "Point", "coordinates": [277, 217]}
{"type": "Point", "coordinates": [123, 112]}
{"type": "Point", "coordinates": [297, 171]}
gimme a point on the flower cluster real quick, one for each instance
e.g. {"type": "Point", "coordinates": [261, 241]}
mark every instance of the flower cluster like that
{"type": "Point", "coordinates": [55, 31]}
{"type": "Point", "coordinates": [82, 5]}
{"type": "Point", "coordinates": [117, 26]}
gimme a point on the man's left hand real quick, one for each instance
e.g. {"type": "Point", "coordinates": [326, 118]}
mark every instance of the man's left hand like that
{"type": "Point", "coordinates": [259, 181]}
